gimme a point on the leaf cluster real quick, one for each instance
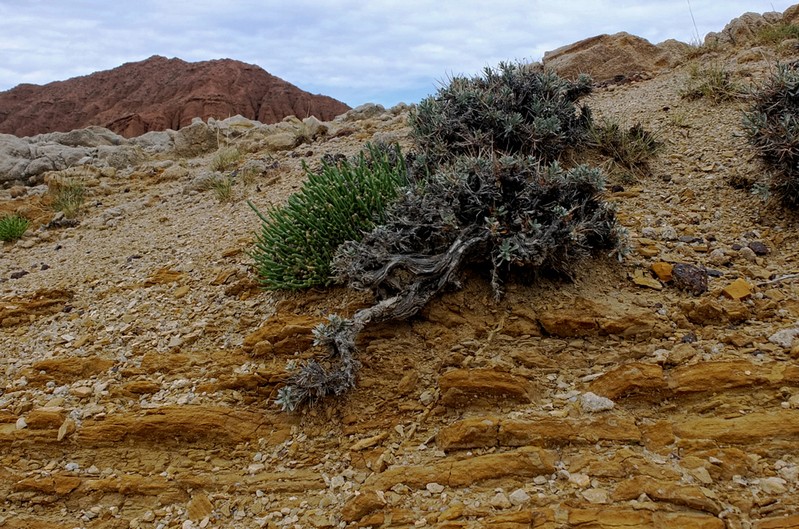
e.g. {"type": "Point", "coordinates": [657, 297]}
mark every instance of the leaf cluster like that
{"type": "Point", "coordinates": [13, 227]}
{"type": "Point", "coordinates": [772, 127]}
{"type": "Point", "coordinates": [338, 203]}
{"type": "Point", "coordinates": [513, 109]}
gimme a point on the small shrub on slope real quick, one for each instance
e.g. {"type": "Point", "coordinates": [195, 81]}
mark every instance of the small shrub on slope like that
{"type": "Point", "coordinates": [491, 194]}
{"type": "Point", "coordinates": [630, 149]}
{"type": "Point", "coordinates": [337, 204]}
{"type": "Point", "coordinates": [713, 82]}
{"type": "Point", "coordinates": [772, 126]}
{"type": "Point", "coordinates": [509, 110]}
{"type": "Point", "coordinates": [506, 213]}
{"type": "Point", "coordinates": [13, 227]}
{"type": "Point", "coordinates": [67, 195]}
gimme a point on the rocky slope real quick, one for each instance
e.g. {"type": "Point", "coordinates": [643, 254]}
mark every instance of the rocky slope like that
{"type": "Point", "coordinates": [158, 94]}
{"type": "Point", "coordinates": [140, 361]}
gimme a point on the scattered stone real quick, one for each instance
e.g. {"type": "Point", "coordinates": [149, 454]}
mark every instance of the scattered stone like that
{"type": "Point", "coordinates": [738, 290]}
{"type": "Point", "coordinates": [593, 403]}
{"type": "Point", "coordinates": [500, 501]}
{"type": "Point", "coordinates": [199, 507]}
{"type": "Point", "coordinates": [82, 392]}
{"type": "Point", "coordinates": [598, 496]}
{"type": "Point", "coordinates": [663, 271]}
{"type": "Point", "coordinates": [759, 248]}
{"type": "Point", "coordinates": [690, 278]}
{"type": "Point", "coordinates": [646, 280]}
{"type": "Point", "coordinates": [518, 497]}
{"type": "Point", "coordinates": [435, 488]}
{"type": "Point", "coordinates": [21, 423]}
{"type": "Point", "coordinates": [785, 337]}
{"type": "Point", "coordinates": [773, 485]}
{"type": "Point", "coordinates": [680, 354]}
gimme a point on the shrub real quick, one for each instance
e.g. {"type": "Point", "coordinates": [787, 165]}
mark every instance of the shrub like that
{"type": "Point", "coordinates": [13, 227]}
{"type": "Point", "coordinates": [772, 127]}
{"type": "Point", "coordinates": [509, 110]}
{"type": "Point", "coordinates": [491, 193]}
{"type": "Point", "coordinates": [67, 195]}
{"type": "Point", "coordinates": [336, 204]}
{"type": "Point", "coordinates": [506, 213]}
{"type": "Point", "coordinates": [630, 149]}
{"type": "Point", "coordinates": [226, 159]}
{"type": "Point", "coordinates": [712, 82]}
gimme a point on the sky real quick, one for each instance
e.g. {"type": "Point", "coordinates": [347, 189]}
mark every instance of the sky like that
{"type": "Point", "coordinates": [380, 51]}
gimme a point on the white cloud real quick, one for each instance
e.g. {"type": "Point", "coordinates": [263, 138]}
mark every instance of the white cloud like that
{"type": "Point", "coordinates": [383, 50]}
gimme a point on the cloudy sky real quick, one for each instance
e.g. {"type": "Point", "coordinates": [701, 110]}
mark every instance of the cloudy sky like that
{"type": "Point", "coordinates": [383, 51]}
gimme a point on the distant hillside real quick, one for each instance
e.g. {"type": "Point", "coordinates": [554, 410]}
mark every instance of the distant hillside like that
{"type": "Point", "coordinates": [157, 94]}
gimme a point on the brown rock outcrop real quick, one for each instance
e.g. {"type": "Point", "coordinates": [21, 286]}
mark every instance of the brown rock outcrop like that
{"type": "Point", "coordinates": [158, 94]}
{"type": "Point", "coordinates": [606, 57]}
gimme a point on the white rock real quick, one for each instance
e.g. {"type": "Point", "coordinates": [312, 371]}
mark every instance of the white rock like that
{"type": "Point", "coordinates": [785, 337]}
{"type": "Point", "coordinates": [500, 501]}
{"type": "Point", "coordinates": [593, 403]}
{"type": "Point", "coordinates": [518, 497]}
{"type": "Point", "coordinates": [434, 488]}
{"type": "Point", "coordinates": [581, 480]}
{"type": "Point", "coordinates": [773, 486]}
{"type": "Point", "coordinates": [255, 468]}
{"type": "Point", "coordinates": [596, 496]}
{"type": "Point", "coordinates": [789, 473]}
{"type": "Point", "coordinates": [21, 423]}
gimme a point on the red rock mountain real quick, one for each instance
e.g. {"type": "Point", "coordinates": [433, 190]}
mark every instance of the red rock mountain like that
{"type": "Point", "coordinates": [157, 94]}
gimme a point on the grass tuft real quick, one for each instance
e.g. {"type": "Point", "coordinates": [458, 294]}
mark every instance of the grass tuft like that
{"type": "Point", "coordinates": [226, 159]}
{"type": "Point", "coordinates": [629, 149]}
{"type": "Point", "coordinates": [713, 83]}
{"type": "Point", "coordinates": [67, 195]}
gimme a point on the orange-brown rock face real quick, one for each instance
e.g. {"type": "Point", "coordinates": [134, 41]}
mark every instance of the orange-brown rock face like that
{"type": "Point", "coordinates": [158, 94]}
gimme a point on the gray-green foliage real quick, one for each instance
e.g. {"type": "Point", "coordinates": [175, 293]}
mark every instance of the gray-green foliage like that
{"type": "Point", "coordinates": [772, 126]}
{"type": "Point", "coordinates": [338, 203]}
{"type": "Point", "coordinates": [513, 109]}
{"type": "Point", "coordinates": [13, 227]}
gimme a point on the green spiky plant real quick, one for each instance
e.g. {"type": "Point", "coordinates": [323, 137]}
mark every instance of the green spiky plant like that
{"type": "Point", "coordinates": [13, 227]}
{"type": "Point", "coordinates": [772, 127]}
{"type": "Point", "coordinates": [339, 203]}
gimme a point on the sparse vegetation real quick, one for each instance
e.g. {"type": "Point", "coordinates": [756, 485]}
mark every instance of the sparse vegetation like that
{"type": "Point", "coordinates": [713, 83]}
{"type": "Point", "coordinates": [13, 227]}
{"type": "Point", "coordinates": [629, 149]}
{"type": "Point", "coordinates": [491, 193]}
{"type": "Point", "coordinates": [223, 187]}
{"type": "Point", "coordinates": [226, 159]}
{"type": "Point", "coordinates": [772, 126]}
{"type": "Point", "coordinates": [338, 203]}
{"type": "Point", "coordinates": [67, 195]}
{"type": "Point", "coordinates": [775, 34]}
